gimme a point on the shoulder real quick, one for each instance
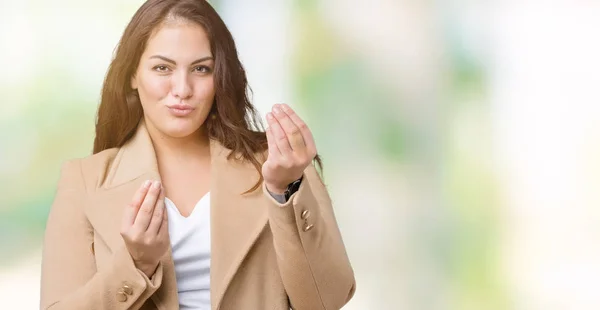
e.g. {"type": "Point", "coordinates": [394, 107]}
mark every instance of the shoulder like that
{"type": "Point", "coordinates": [93, 169]}
{"type": "Point", "coordinates": [102, 159]}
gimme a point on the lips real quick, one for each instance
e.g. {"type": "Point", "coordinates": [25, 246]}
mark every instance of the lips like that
{"type": "Point", "coordinates": [180, 110]}
{"type": "Point", "coordinates": [182, 107]}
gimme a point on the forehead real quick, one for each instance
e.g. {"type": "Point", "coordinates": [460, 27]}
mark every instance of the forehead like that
{"type": "Point", "coordinates": [178, 39]}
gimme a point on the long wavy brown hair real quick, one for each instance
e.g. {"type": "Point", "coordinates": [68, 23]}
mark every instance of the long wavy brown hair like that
{"type": "Point", "coordinates": [236, 124]}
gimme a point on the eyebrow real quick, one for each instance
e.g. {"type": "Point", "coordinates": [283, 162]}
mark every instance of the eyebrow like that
{"type": "Point", "coordinates": [173, 61]}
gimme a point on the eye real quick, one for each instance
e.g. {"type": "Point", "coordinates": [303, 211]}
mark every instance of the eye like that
{"type": "Point", "coordinates": [161, 68]}
{"type": "Point", "coordinates": [202, 69]}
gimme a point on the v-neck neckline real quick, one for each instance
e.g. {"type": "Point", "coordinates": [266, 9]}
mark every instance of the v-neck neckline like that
{"type": "Point", "coordinates": [196, 206]}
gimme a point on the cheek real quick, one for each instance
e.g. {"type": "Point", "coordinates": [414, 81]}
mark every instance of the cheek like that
{"type": "Point", "coordinates": [206, 89]}
{"type": "Point", "coordinates": [153, 89]}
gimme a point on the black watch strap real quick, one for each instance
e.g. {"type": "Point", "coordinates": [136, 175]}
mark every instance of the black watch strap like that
{"type": "Point", "coordinates": [292, 188]}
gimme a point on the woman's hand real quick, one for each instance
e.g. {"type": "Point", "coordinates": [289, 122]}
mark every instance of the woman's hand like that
{"type": "Point", "coordinates": [145, 227]}
{"type": "Point", "coordinates": [291, 148]}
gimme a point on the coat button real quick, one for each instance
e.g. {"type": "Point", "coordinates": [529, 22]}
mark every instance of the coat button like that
{"type": "Point", "coordinates": [127, 289]}
{"type": "Point", "coordinates": [121, 297]}
{"type": "Point", "coordinates": [308, 227]}
{"type": "Point", "coordinates": [305, 214]}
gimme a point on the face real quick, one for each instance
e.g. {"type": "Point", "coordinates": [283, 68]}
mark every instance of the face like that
{"type": "Point", "coordinates": [175, 81]}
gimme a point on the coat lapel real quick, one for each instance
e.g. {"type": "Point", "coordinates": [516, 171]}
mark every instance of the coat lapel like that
{"type": "Point", "coordinates": [236, 220]}
{"type": "Point", "coordinates": [134, 163]}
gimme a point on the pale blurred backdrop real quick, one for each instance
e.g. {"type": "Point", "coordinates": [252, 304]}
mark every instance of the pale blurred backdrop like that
{"type": "Point", "coordinates": [461, 139]}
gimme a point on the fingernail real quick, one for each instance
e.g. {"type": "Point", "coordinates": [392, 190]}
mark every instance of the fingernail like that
{"type": "Point", "coordinates": [270, 115]}
{"type": "Point", "coordinates": [156, 185]}
{"type": "Point", "coordinates": [286, 107]}
{"type": "Point", "coordinates": [277, 110]}
{"type": "Point", "coordinates": [147, 184]}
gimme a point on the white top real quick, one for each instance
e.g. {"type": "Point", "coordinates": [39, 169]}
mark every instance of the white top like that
{"type": "Point", "coordinates": [190, 243]}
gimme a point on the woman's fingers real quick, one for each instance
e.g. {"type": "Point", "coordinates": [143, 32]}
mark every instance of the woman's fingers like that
{"type": "Point", "coordinates": [144, 215]}
{"type": "Point", "coordinates": [157, 215]}
{"type": "Point", "coordinates": [147, 238]}
{"type": "Point", "coordinates": [131, 210]}
{"type": "Point", "coordinates": [307, 136]}
{"type": "Point", "coordinates": [163, 231]}
{"type": "Point", "coordinates": [273, 148]}
{"type": "Point", "coordinates": [292, 132]}
{"type": "Point", "coordinates": [279, 135]}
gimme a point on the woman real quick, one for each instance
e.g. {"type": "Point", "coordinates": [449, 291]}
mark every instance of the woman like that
{"type": "Point", "coordinates": [183, 204]}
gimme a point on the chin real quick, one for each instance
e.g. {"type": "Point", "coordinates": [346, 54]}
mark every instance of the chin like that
{"type": "Point", "coordinates": [180, 127]}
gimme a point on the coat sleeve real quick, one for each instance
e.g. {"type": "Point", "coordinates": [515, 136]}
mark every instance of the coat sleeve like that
{"type": "Point", "coordinates": [69, 276]}
{"type": "Point", "coordinates": [311, 256]}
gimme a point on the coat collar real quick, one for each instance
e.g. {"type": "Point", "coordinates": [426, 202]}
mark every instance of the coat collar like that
{"type": "Point", "coordinates": [134, 159]}
{"type": "Point", "coordinates": [236, 220]}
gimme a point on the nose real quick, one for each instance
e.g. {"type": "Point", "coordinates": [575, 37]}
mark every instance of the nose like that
{"type": "Point", "coordinates": [181, 86]}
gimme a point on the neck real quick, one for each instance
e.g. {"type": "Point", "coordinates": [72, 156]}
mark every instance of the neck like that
{"type": "Point", "coordinates": [181, 150]}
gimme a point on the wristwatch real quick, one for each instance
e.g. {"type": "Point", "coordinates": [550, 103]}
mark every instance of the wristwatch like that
{"type": "Point", "coordinates": [292, 188]}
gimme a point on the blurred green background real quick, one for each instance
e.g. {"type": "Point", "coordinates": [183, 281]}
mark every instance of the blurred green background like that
{"type": "Point", "coordinates": [460, 138]}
